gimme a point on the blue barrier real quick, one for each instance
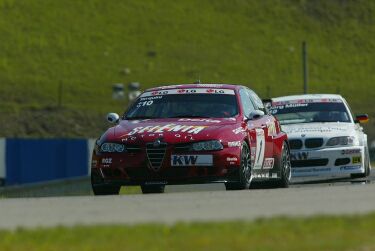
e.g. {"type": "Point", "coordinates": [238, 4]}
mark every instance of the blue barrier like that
{"type": "Point", "coordinates": [35, 160]}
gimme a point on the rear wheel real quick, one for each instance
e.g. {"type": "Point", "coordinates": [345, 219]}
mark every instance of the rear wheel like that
{"type": "Point", "coordinates": [367, 168]}
{"type": "Point", "coordinates": [152, 188]}
{"type": "Point", "coordinates": [244, 174]}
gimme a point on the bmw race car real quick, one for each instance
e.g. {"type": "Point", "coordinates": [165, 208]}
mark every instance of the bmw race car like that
{"type": "Point", "coordinates": [324, 138]}
{"type": "Point", "coordinates": [196, 133]}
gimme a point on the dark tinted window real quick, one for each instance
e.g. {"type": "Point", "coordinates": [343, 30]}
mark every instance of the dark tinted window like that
{"type": "Point", "coordinates": [184, 105]}
{"type": "Point", "coordinates": [291, 113]}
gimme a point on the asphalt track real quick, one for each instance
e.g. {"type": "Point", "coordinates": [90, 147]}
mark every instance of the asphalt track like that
{"type": "Point", "coordinates": [193, 203]}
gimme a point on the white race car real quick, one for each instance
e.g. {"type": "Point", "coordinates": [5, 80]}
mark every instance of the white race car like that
{"type": "Point", "coordinates": [324, 138]}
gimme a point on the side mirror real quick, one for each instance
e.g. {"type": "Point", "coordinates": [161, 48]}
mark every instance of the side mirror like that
{"type": "Point", "coordinates": [256, 114]}
{"type": "Point", "coordinates": [113, 118]}
{"type": "Point", "coordinates": [363, 118]}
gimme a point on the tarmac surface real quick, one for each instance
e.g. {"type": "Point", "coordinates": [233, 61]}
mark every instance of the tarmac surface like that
{"type": "Point", "coordinates": [342, 196]}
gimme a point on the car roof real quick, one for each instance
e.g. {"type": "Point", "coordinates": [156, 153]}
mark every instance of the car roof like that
{"type": "Point", "coordinates": [200, 85]}
{"type": "Point", "coordinates": [307, 96]}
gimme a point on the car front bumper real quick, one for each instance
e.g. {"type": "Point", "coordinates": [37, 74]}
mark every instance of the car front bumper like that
{"type": "Point", "coordinates": [137, 169]}
{"type": "Point", "coordinates": [328, 161]}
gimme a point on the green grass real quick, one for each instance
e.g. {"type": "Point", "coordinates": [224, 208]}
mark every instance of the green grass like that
{"type": "Point", "coordinates": [130, 190]}
{"type": "Point", "coordinates": [317, 233]}
{"type": "Point", "coordinates": [85, 46]}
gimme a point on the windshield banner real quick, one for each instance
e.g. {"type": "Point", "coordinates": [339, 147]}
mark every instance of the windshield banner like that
{"type": "Point", "coordinates": [188, 91]}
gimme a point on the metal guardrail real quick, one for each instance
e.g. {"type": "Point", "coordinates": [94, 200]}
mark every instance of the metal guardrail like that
{"type": "Point", "coordinates": [66, 187]}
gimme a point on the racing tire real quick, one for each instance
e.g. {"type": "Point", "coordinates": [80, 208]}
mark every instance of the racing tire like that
{"type": "Point", "coordinates": [367, 168]}
{"type": "Point", "coordinates": [146, 189]}
{"type": "Point", "coordinates": [244, 174]}
{"type": "Point", "coordinates": [105, 189]}
{"type": "Point", "coordinates": [285, 168]}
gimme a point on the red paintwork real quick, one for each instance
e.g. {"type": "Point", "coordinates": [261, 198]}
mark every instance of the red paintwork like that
{"type": "Point", "coordinates": [133, 168]}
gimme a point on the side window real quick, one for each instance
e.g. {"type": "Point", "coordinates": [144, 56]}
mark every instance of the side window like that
{"type": "Point", "coordinates": [257, 101]}
{"type": "Point", "coordinates": [246, 103]}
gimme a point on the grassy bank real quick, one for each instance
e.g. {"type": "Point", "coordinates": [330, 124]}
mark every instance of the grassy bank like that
{"type": "Point", "coordinates": [86, 46]}
{"type": "Point", "coordinates": [317, 233]}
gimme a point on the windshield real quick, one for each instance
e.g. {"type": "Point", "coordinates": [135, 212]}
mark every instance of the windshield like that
{"type": "Point", "coordinates": [184, 106]}
{"type": "Point", "coordinates": [293, 113]}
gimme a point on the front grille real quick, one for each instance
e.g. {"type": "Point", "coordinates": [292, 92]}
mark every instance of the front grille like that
{"type": "Point", "coordinates": [342, 161]}
{"type": "Point", "coordinates": [185, 147]}
{"type": "Point", "coordinates": [155, 154]}
{"type": "Point", "coordinates": [309, 162]}
{"type": "Point", "coordinates": [132, 149]}
{"type": "Point", "coordinates": [295, 144]}
{"type": "Point", "coordinates": [313, 143]}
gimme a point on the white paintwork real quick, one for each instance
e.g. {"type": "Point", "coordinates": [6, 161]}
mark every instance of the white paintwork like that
{"type": "Point", "coordinates": [325, 130]}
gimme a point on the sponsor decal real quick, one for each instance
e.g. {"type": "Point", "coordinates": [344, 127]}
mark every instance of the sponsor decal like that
{"type": "Point", "coordinates": [231, 159]}
{"type": "Point", "coordinates": [166, 128]}
{"type": "Point", "coordinates": [350, 151]}
{"type": "Point", "coordinates": [268, 163]}
{"type": "Point", "coordinates": [271, 129]}
{"type": "Point", "coordinates": [305, 101]}
{"type": "Point", "coordinates": [238, 130]}
{"type": "Point", "coordinates": [145, 103]}
{"type": "Point", "coordinates": [188, 91]}
{"type": "Point", "coordinates": [107, 161]}
{"type": "Point", "coordinates": [191, 160]}
{"type": "Point", "coordinates": [150, 98]}
{"type": "Point", "coordinates": [323, 129]}
{"type": "Point", "coordinates": [310, 170]}
{"type": "Point", "coordinates": [261, 175]}
{"type": "Point", "coordinates": [234, 143]}
{"type": "Point", "coordinates": [350, 167]}
{"type": "Point", "coordinates": [156, 182]}
{"type": "Point", "coordinates": [356, 159]}
{"type": "Point", "coordinates": [200, 120]}
{"type": "Point", "coordinates": [299, 156]}
{"type": "Point", "coordinates": [260, 147]}
{"type": "Point", "coordinates": [252, 154]}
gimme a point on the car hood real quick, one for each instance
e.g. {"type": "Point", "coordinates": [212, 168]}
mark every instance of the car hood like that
{"type": "Point", "coordinates": [169, 130]}
{"type": "Point", "coordinates": [322, 130]}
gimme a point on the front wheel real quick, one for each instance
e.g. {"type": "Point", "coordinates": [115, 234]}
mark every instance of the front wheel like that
{"type": "Point", "coordinates": [285, 167]}
{"type": "Point", "coordinates": [244, 174]}
{"type": "Point", "coordinates": [102, 189]}
{"type": "Point", "coordinates": [367, 168]}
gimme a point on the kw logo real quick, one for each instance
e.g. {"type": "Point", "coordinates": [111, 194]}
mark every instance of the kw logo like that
{"type": "Point", "coordinates": [185, 160]}
{"type": "Point", "coordinates": [299, 156]}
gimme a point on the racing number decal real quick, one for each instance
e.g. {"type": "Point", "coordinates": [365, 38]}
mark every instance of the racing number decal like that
{"type": "Point", "coordinates": [259, 153]}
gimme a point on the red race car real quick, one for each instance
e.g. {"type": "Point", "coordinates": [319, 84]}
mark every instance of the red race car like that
{"type": "Point", "coordinates": [195, 133]}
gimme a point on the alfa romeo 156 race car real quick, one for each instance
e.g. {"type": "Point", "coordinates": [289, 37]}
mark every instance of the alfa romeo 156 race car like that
{"type": "Point", "coordinates": [195, 133]}
{"type": "Point", "coordinates": [324, 138]}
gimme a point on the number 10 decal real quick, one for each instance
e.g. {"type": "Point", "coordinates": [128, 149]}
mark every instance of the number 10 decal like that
{"type": "Point", "coordinates": [259, 153]}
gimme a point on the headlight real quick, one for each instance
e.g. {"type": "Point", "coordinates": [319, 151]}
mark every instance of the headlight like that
{"type": "Point", "coordinates": [207, 146]}
{"type": "Point", "coordinates": [342, 141]}
{"type": "Point", "coordinates": [112, 148]}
